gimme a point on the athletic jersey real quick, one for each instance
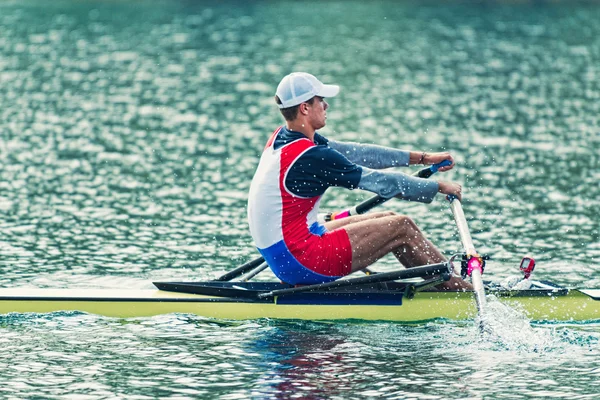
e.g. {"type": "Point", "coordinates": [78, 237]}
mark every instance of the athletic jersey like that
{"type": "Point", "coordinates": [292, 175]}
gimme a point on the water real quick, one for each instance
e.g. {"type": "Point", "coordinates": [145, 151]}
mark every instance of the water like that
{"type": "Point", "coordinates": [83, 356]}
{"type": "Point", "coordinates": [130, 132]}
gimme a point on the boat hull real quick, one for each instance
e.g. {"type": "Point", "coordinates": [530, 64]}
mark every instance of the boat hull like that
{"type": "Point", "coordinates": [574, 305]}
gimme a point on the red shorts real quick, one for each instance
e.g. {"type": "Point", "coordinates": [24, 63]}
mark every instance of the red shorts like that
{"type": "Point", "coordinates": [329, 254]}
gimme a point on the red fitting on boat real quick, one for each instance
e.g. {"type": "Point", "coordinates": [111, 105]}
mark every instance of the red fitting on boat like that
{"type": "Point", "coordinates": [527, 266]}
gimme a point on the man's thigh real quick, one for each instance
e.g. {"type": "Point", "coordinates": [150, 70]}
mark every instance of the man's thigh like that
{"type": "Point", "coordinates": [372, 239]}
{"type": "Point", "coordinates": [340, 223]}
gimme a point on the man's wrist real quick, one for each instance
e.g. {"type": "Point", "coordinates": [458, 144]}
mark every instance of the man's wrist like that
{"type": "Point", "coordinates": [442, 186]}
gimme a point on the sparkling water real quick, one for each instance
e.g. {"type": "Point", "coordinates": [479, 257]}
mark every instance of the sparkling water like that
{"type": "Point", "coordinates": [130, 132]}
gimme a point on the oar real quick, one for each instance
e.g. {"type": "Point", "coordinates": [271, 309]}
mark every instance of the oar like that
{"type": "Point", "coordinates": [242, 269]}
{"type": "Point", "coordinates": [474, 260]}
{"type": "Point", "coordinates": [362, 208]}
{"type": "Point", "coordinates": [254, 272]}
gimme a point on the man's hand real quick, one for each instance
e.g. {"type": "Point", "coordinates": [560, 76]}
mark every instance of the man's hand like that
{"type": "Point", "coordinates": [450, 188]}
{"type": "Point", "coordinates": [436, 158]}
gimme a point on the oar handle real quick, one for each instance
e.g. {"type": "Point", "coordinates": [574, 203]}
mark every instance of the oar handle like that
{"type": "Point", "coordinates": [432, 169]}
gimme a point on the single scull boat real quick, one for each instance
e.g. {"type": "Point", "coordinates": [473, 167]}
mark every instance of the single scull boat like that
{"type": "Point", "coordinates": [238, 300]}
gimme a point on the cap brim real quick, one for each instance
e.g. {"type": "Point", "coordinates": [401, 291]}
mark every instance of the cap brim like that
{"type": "Point", "coordinates": [329, 91]}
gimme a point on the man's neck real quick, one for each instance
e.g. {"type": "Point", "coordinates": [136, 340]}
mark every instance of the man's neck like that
{"type": "Point", "coordinates": [302, 127]}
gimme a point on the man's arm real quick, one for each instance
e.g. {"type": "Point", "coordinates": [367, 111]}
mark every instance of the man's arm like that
{"type": "Point", "coordinates": [395, 184]}
{"type": "Point", "coordinates": [380, 157]}
{"type": "Point", "coordinates": [321, 167]}
{"type": "Point", "coordinates": [372, 156]}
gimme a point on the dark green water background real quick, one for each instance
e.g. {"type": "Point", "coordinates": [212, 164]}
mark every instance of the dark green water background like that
{"type": "Point", "coordinates": [129, 134]}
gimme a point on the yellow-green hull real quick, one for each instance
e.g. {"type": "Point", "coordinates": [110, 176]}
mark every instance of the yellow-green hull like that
{"type": "Point", "coordinates": [574, 306]}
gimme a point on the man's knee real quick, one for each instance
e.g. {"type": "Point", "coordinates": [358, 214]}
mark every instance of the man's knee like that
{"type": "Point", "coordinates": [403, 222]}
{"type": "Point", "coordinates": [383, 214]}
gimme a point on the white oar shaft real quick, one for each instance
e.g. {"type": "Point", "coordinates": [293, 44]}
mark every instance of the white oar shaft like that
{"type": "Point", "coordinates": [479, 290]}
{"type": "Point", "coordinates": [463, 228]}
{"type": "Point", "coordinates": [467, 242]}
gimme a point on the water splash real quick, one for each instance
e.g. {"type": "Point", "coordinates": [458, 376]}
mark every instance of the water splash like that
{"type": "Point", "coordinates": [507, 328]}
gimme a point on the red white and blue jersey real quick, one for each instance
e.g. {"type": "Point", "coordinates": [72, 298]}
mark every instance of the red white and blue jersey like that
{"type": "Point", "coordinates": [283, 205]}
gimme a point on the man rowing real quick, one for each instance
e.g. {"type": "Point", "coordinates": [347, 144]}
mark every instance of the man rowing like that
{"type": "Point", "coordinates": [298, 165]}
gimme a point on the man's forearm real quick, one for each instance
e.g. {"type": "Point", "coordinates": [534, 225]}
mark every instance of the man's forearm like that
{"type": "Point", "coordinates": [395, 184]}
{"type": "Point", "coordinates": [372, 156]}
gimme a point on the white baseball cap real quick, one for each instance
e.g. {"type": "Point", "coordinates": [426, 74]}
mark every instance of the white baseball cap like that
{"type": "Point", "coordinates": [298, 87]}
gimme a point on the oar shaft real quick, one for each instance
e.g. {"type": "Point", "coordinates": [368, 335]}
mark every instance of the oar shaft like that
{"type": "Point", "coordinates": [463, 228]}
{"type": "Point", "coordinates": [242, 269]}
{"type": "Point", "coordinates": [474, 260]}
{"type": "Point", "coordinates": [254, 272]}
{"type": "Point", "coordinates": [479, 289]}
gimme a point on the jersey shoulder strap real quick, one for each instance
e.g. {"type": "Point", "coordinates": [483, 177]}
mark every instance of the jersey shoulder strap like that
{"type": "Point", "coordinates": [272, 138]}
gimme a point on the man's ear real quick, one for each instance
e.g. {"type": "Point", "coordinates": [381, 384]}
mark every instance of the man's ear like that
{"type": "Point", "coordinates": [304, 108]}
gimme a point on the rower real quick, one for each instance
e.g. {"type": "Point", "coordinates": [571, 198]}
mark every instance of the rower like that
{"type": "Point", "coordinates": [296, 168]}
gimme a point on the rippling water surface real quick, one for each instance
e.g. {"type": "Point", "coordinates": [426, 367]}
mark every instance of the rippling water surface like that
{"type": "Point", "coordinates": [129, 134]}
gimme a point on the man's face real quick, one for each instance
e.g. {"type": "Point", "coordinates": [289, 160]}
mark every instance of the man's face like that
{"type": "Point", "coordinates": [317, 112]}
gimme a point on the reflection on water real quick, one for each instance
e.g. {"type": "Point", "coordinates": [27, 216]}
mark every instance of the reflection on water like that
{"type": "Point", "coordinates": [184, 356]}
{"type": "Point", "coordinates": [130, 132]}
{"type": "Point", "coordinates": [311, 361]}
